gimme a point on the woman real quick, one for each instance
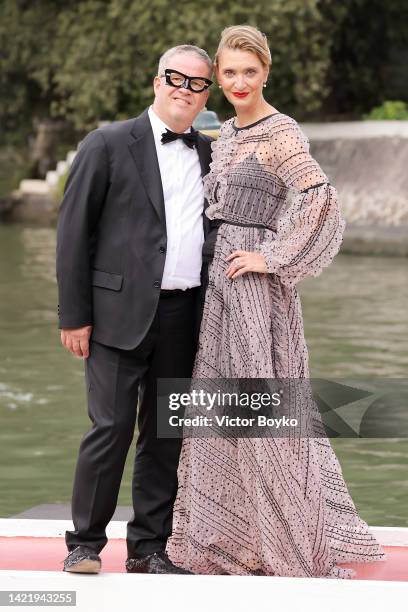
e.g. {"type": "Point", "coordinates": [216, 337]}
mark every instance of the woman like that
{"type": "Point", "coordinates": [273, 506]}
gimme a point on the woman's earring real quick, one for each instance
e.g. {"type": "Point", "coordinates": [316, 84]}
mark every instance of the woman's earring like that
{"type": "Point", "coordinates": [219, 87]}
{"type": "Point", "coordinates": [264, 84]}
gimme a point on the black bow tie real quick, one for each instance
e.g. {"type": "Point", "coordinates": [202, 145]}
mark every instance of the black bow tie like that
{"type": "Point", "coordinates": [189, 138]}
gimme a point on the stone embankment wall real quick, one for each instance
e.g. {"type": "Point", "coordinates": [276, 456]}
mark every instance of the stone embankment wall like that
{"type": "Point", "coordinates": [366, 161]}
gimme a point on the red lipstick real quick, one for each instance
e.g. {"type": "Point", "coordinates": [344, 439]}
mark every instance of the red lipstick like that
{"type": "Point", "coordinates": [240, 94]}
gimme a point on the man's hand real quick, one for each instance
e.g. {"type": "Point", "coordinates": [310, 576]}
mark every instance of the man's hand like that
{"type": "Point", "coordinates": [245, 261]}
{"type": "Point", "coordinates": [76, 340]}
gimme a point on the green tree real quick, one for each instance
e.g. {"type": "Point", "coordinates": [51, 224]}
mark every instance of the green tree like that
{"type": "Point", "coordinates": [107, 52]}
{"type": "Point", "coordinates": [368, 54]}
{"type": "Point", "coordinates": [87, 60]}
{"type": "Point", "coordinates": [27, 30]}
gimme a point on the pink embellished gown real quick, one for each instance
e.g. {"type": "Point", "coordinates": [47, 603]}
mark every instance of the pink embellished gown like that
{"type": "Point", "coordinates": [272, 506]}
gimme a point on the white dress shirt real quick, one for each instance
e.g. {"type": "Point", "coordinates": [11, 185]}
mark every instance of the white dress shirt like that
{"type": "Point", "coordinates": [183, 201]}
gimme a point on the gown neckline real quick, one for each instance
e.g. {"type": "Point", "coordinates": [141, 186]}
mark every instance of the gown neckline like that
{"type": "Point", "coordinates": [245, 127]}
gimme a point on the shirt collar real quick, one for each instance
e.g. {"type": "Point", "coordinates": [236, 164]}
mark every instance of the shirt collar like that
{"type": "Point", "coordinates": [158, 126]}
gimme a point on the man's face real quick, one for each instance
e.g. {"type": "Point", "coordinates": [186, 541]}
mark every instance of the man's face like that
{"type": "Point", "coordinates": [178, 107]}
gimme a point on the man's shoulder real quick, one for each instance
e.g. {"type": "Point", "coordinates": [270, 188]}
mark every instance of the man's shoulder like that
{"type": "Point", "coordinates": [205, 138]}
{"type": "Point", "coordinates": [116, 130]}
{"type": "Point", "coordinates": [107, 133]}
{"type": "Point", "coordinates": [116, 127]}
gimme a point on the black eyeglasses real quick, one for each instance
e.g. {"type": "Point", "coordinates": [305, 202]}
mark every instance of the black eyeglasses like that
{"type": "Point", "coordinates": [178, 79]}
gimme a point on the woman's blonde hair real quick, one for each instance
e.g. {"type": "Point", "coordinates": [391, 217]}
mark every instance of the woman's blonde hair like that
{"type": "Point", "coordinates": [246, 38]}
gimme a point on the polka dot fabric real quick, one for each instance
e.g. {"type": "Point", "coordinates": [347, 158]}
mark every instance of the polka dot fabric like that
{"type": "Point", "coordinates": [268, 506]}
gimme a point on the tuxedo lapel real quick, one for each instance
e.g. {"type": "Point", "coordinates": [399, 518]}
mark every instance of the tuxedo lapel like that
{"type": "Point", "coordinates": [143, 150]}
{"type": "Point", "coordinates": [204, 155]}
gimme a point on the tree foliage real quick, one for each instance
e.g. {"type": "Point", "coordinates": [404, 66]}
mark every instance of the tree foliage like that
{"type": "Point", "coordinates": [92, 60]}
{"type": "Point", "coordinates": [107, 52]}
{"type": "Point", "coordinates": [368, 53]}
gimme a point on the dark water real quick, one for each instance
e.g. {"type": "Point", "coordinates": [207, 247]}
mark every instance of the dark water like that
{"type": "Point", "coordinates": [356, 323]}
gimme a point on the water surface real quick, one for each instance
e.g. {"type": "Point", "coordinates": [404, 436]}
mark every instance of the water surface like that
{"type": "Point", "coordinates": [356, 323]}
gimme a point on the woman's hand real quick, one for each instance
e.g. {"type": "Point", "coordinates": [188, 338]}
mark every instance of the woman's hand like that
{"type": "Point", "coordinates": [245, 261]}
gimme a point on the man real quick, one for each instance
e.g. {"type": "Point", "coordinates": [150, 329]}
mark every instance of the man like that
{"type": "Point", "coordinates": [129, 239]}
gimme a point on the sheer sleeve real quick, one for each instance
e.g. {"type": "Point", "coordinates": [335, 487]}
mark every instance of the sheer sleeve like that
{"type": "Point", "coordinates": [310, 230]}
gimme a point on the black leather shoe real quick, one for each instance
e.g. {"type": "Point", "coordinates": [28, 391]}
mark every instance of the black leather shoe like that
{"type": "Point", "coordinates": [82, 560]}
{"type": "Point", "coordinates": [155, 563]}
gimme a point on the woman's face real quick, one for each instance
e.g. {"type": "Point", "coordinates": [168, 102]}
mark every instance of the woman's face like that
{"type": "Point", "coordinates": [241, 75]}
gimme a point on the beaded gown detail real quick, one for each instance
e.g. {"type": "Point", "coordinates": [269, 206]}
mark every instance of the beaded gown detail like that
{"type": "Point", "coordinates": [273, 506]}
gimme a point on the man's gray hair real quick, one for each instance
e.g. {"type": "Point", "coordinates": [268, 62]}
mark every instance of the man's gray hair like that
{"type": "Point", "coordinates": [187, 49]}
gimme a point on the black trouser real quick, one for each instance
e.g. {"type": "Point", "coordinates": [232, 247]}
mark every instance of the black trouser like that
{"type": "Point", "coordinates": [116, 381]}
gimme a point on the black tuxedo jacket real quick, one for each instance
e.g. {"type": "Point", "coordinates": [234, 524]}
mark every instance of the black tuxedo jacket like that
{"type": "Point", "coordinates": [111, 233]}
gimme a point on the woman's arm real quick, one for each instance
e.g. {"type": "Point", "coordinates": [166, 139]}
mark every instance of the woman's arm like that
{"type": "Point", "coordinates": [309, 232]}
